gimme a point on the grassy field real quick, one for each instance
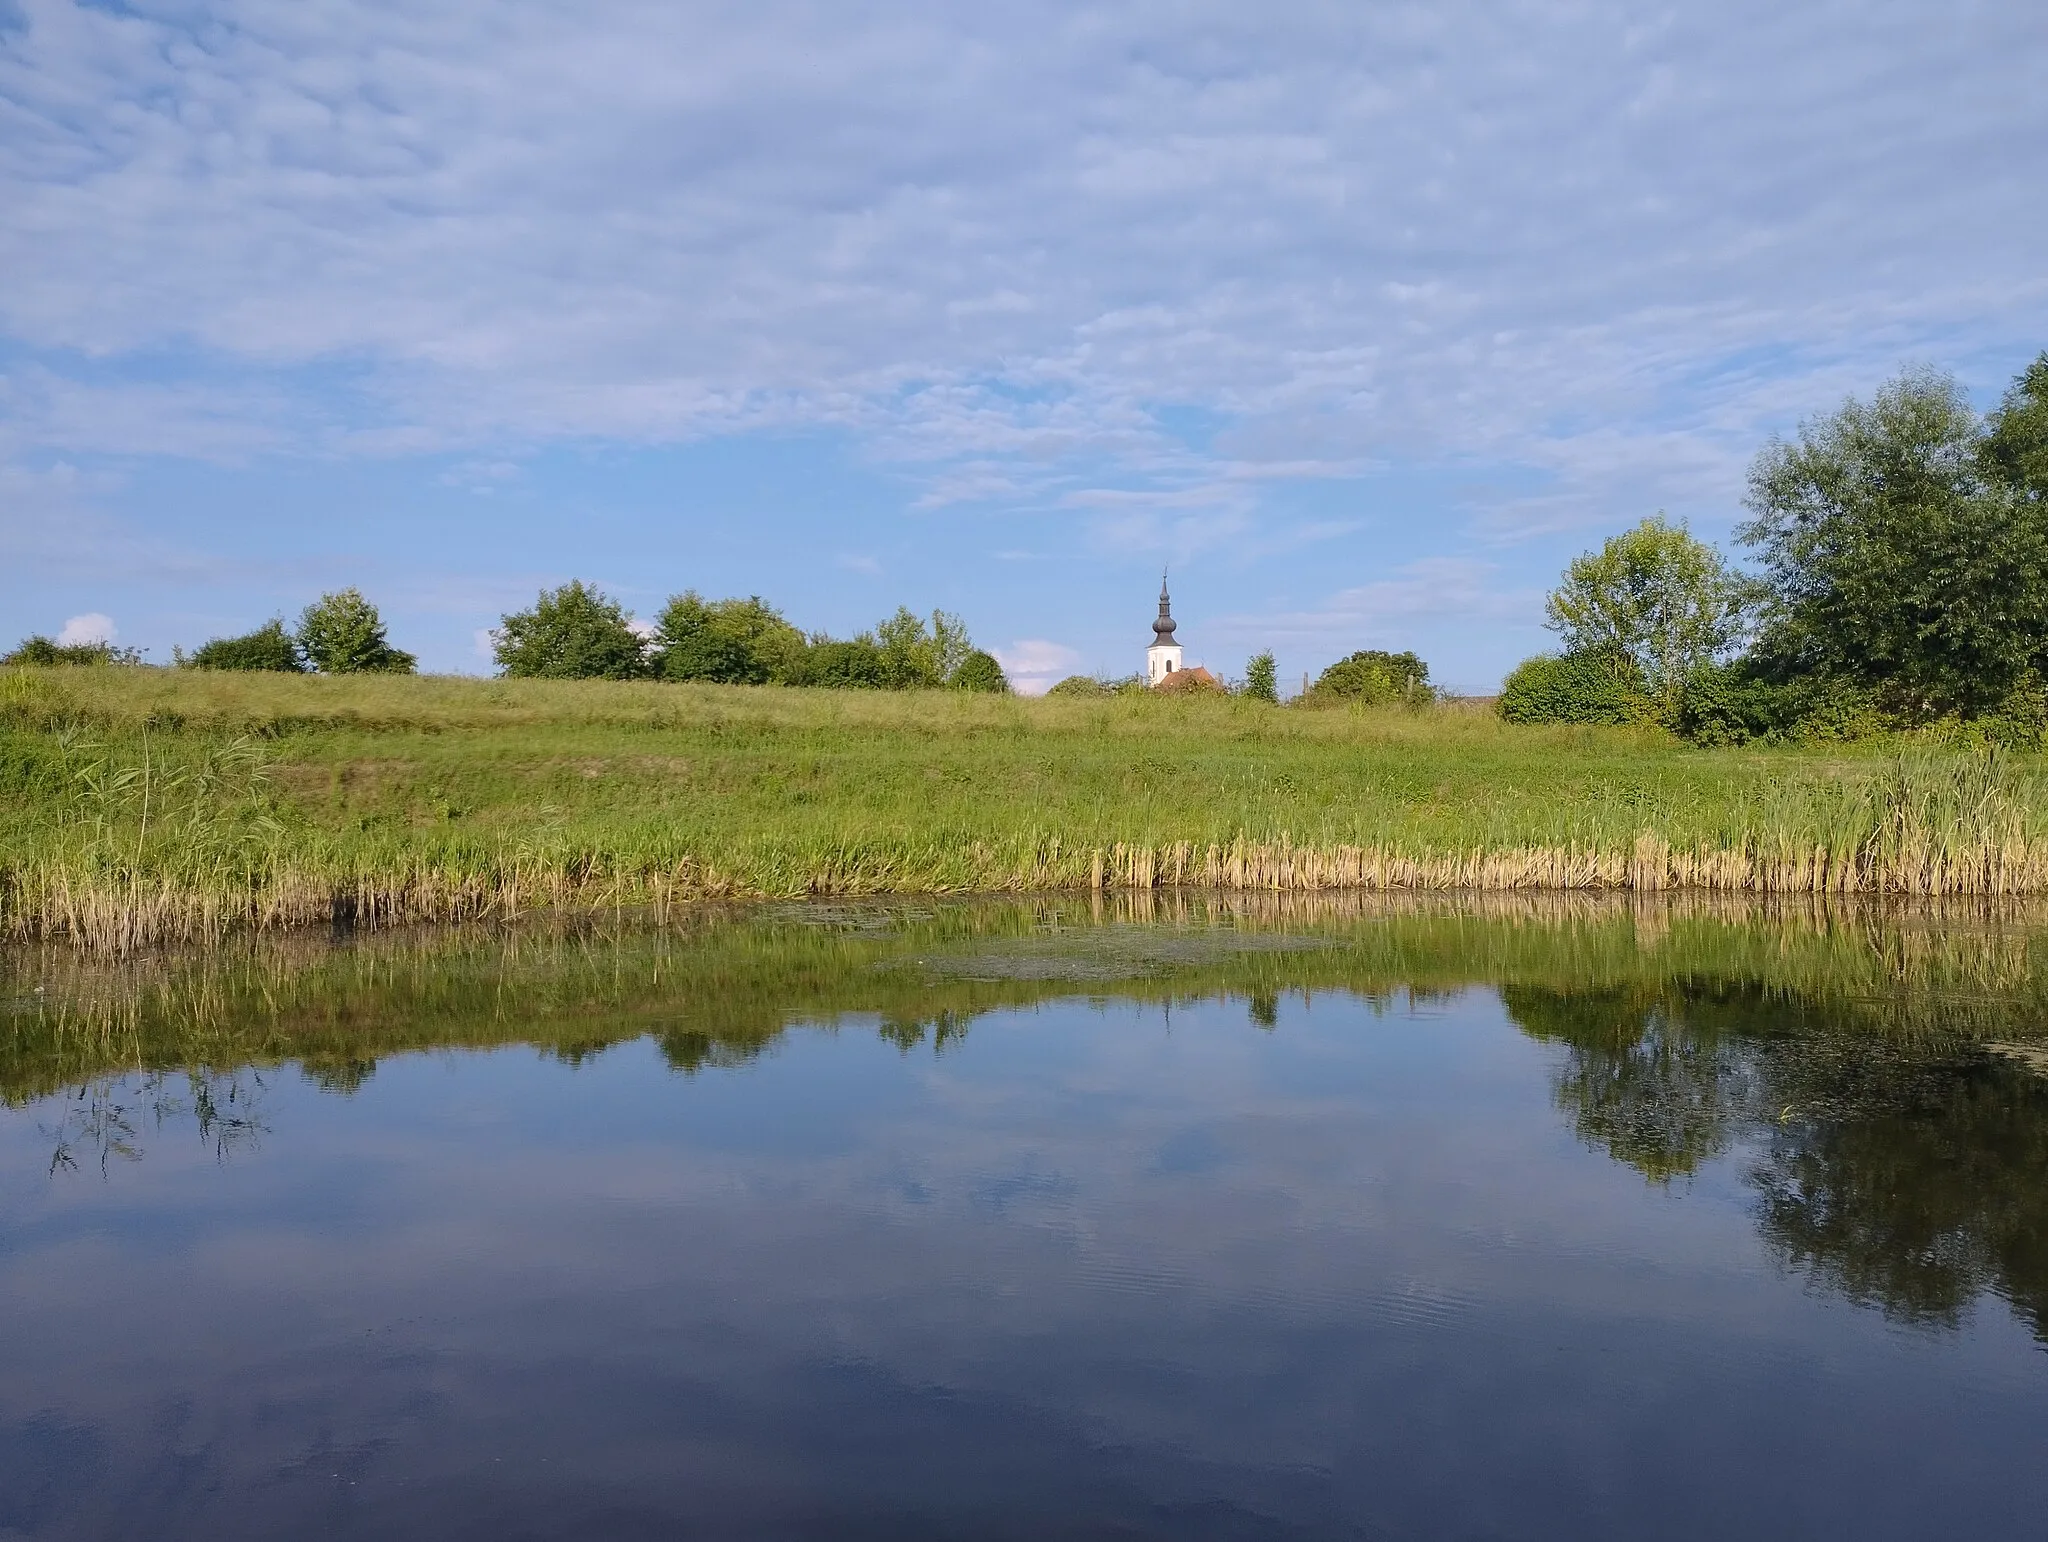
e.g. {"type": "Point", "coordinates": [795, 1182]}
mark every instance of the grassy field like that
{"type": "Point", "coordinates": [142, 805]}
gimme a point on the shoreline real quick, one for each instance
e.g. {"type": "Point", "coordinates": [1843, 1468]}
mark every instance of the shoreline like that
{"type": "Point", "coordinates": [139, 912]}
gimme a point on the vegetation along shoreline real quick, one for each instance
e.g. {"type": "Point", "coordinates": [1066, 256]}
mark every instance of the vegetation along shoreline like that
{"type": "Point", "coordinates": [1862, 713]}
{"type": "Point", "coordinates": [150, 806]}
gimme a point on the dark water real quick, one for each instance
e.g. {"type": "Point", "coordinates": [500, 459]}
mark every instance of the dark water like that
{"type": "Point", "coordinates": [987, 1222]}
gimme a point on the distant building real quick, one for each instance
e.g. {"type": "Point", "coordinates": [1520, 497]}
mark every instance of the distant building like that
{"type": "Point", "coordinates": [1196, 679]}
{"type": "Point", "coordinates": [1163, 657]}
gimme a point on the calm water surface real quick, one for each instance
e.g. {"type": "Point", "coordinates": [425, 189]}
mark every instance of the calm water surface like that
{"type": "Point", "coordinates": [1005, 1221]}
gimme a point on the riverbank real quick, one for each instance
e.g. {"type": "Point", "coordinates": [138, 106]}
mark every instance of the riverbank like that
{"type": "Point", "coordinates": [144, 806]}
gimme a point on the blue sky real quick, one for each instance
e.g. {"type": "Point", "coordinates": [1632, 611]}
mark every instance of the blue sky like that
{"type": "Point", "coordinates": [1366, 318]}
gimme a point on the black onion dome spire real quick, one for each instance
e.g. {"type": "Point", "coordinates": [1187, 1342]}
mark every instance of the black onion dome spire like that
{"type": "Point", "coordinates": [1162, 629]}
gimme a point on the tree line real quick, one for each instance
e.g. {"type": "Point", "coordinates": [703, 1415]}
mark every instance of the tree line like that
{"type": "Point", "coordinates": [1371, 677]}
{"type": "Point", "coordinates": [338, 634]}
{"type": "Point", "coordinates": [578, 632]}
{"type": "Point", "coordinates": [1901, 581]}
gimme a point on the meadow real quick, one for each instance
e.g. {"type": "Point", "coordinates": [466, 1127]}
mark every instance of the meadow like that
{"type": "Point", "coordinates": [140, 806]}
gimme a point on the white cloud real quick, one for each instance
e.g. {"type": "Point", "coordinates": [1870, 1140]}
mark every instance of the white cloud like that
{"type": "Point", "coordinates": [856, 562]}
{"type": "Point", "coordinates": [1035, 665]}
{"type": "Point", "coordinates": [92, 627]}
{"type": "Point", "coordinates": [1004, 244]}
{"type": "Point", "coordinates": [1437, 594]}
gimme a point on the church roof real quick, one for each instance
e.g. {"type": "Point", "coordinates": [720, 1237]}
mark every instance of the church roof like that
{"type": "Point", "coordinates": [1196, 679]}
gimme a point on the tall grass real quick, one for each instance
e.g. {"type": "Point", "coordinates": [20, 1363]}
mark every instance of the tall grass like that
{"type": "Point", "coordinates": [144, 806]}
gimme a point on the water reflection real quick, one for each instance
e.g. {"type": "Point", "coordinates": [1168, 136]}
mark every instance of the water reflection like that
{"type": "Point", "coordinates": [1906, 1173]}
{"type": "Point", "coordinates": [1873, 1063]}
{"type": "Point", "coordinates": [1175, 1215]}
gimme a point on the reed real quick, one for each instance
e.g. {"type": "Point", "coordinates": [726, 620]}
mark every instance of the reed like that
{"type": "Point", "coordinates": [139, 807]}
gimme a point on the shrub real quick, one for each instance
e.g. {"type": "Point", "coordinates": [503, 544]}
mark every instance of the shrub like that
{"type": "Point", "coordinates": [1737, 703]}
{"type": "Point", "coordinates": [269, 647]}
{"type": "Point", "coordinates": [1262, 677]}
{"type": "Point", "coordinates": [730, 642]}
{"type": "Point", "coordinates": [572, 633]}
{"type": "Point", "coordinates": [1576, 688]}
{"type": "Point", "coordinates": [980, 671]}
{"type": "Point", "coordinates": [857, 665]}
{"type": "Point", "coordinates": [1081, 685]}
{"type": "Point", "coordinates": [342, 634]}
{"type": "Point", "coordinates": [1373, 677]}
{"type": "Point", "coordinates": [48, 653]}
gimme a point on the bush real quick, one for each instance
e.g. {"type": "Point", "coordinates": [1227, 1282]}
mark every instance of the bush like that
{"type": "Point", "coordinates": [1737, 704]}
{"type": "Point", "coordinates": [1576, 688]}
{"type": "Point", "coordinates": [1262, 677]}
{"type": "Point", "coordinates": [980, 671]}
{"type": "Point", "coordinates": [269, 647]}
{"type": "Point", "coordinates": [48, 653]}
{"type": "Point", "coordinates": [847, 666]}
{"type": "Point", "coordinates": [1081, 685]}
{"type": "Point", "coordinates": [342, 634]}
{"type": "Point", "coordinates": [572, 633]}
{"type": "Point", "coordinates": [1373, 677]}
{"type": "Point", "coordinates": [729, 642]}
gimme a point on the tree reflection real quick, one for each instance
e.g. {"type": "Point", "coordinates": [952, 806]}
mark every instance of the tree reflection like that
{"type": "Point", "coordinates": [1640, 1081]}
{"type": "Point", "coordinates": [1908, 1176]}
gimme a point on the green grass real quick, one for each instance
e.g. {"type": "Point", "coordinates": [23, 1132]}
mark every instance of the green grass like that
{"type": "Point", "coordinates": [138, 805]}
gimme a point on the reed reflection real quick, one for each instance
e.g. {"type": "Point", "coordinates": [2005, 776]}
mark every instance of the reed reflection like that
{"type": "Point", "coordinates": [1876, 1073]}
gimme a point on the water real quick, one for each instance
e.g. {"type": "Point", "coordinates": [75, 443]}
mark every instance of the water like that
{"type": "Point", "coordinates": [1173, 1219]}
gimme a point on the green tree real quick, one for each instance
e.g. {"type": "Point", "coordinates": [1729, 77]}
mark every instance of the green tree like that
{"type": "Point", "coordinates": [1262, 677]}
{"type": "Point", "coordinates": [1373, 677]}
{"type": "Point", "coordinates": [1906, 549]}
{"type": "Point", "coordinates": [342, 634]}
{"type": "Point", "coordinates": [46, 652]}
{"type": "Point", "coordinates": [731, 642]}
{"type": "Point", "coordinates": [980, 671]}
{"type": "Point", "coordinates": [1667, 601]}
{"type": "Point", "coordinates": [575, 632]}
{"type": "Point", "coordinates": [270, 647]}
{"type": "Point", "coordinates": [918, 654]}
{"type": "Point", "coordinates": [2016, 439]}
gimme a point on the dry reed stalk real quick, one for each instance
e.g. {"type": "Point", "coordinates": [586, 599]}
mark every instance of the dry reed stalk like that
{"type": "Point", "coordinates": [125, 913]}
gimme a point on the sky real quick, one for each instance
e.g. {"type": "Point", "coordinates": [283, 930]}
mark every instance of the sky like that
{"type": "Point", "coordinates": [1362, 318]}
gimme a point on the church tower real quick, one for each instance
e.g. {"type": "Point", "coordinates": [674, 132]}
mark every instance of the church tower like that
{"type": "Point", "coordinates": [1163, 657]}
